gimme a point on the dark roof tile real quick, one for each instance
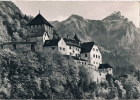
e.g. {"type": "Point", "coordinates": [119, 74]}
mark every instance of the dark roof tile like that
{"type": "Point", "coordinates": [39, 20]}
{"type": "Point", "coordinates": [72, 42]}
{"type": "Point", "coordinates": [104, 66]}
{"type": "Point", "coordinates": [86, 47]}
{"type": "Point", "coordinates": [53, 42]}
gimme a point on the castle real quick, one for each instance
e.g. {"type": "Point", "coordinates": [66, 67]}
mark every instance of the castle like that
{"type": "Point", "coordinates": [41, 37]}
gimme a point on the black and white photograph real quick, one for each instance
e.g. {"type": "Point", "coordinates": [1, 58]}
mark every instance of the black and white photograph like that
{"type": "Point", "coordinates": [69, 49]}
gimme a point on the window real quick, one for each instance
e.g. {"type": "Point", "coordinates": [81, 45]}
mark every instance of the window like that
{"type": "Point", "coordinates": [93, 55]}
{"type": "Point", "coordinates": [2, 46]}
{"type": "Point", "coordinates": [99, 57]}
{"type": "Point", "coordinates": [96, 56]}
{"type": "Point", "coordinates": [63, 49]}
{"type": "Point", "coordinates": [96, 62]}
{"type": "Point", "coordinates": [60, 48]}
{"type": "Point", "coordinates": [70, 53]}
{"type": "Point", "coordinates": [93, 49]}
{"type": "Point", "coordinates": [97, 50]}
{"type": "Point", "coordinates": [53, 48]}
{"type": "Point", "coordinates": [70, 47]}
{"type": "Point", "coordinates": [85, 63]}
{"type": "Point", "coordinates": [85, 55]}
{"type": "Point", "coordinates": [82, 63]}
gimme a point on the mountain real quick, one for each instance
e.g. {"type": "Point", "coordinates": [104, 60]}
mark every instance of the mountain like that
{"type": "Point", "coordinates": [12, 22]}
{"type": "Point", "coordinates": [115, 35]}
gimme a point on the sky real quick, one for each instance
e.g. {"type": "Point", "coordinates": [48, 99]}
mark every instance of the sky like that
{"type": "Point", "coordinates": [94, 10]}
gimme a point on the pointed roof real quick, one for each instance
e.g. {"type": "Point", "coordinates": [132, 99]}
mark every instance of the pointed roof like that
{"type": "Point", "coordinates": [87, 46]}
{"type": "Point", "coordinates": [76, 37]}
{"type": "Point", "coordinates": [39, 20]}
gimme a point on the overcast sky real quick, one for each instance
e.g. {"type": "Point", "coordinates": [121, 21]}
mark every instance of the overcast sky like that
{"type": "Point", "coordinates": [60, 10]}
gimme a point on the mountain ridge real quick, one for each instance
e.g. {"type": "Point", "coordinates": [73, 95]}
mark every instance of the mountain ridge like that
{"type": "Point", "coordinates": [114, 34]}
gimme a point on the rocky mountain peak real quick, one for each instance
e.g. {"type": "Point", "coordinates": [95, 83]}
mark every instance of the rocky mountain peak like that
{"type": "Point", "coordinates": [117, 13]}
{"type": "Point", "coordinates": [114, 16]}
{"type": "Point", "coordinates": [75, 17]}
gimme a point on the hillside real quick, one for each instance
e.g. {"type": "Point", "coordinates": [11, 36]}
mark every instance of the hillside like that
{"type": "Point", "coordinates": [12, 22]}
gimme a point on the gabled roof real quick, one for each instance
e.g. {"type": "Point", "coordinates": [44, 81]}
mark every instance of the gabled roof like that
{"type": "Point", "coordinates": [104, 66]}
{"type": "Point", "coordinates": [53, 42]}
{"type": "Point", "coordinates": [39, 20]}
{"type": "Point", "coordinates": [86, 47]}
{"type": "Point", "coordinates": [76, 38]}
{"type": "Point", "coordinates": [72, 42]}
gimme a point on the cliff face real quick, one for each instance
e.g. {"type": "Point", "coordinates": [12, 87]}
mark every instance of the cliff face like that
{"type": "Point", "coordinates": [12, 22]}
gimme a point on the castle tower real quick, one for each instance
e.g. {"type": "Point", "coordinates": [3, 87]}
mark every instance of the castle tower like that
{"type": "Point", "coordinates": [39, 30]}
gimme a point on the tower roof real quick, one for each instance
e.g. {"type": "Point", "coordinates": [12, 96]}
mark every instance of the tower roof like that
{"type": "Point", "coordinates": [39, 20]}
{"type": "Point", "coordinates": [76, 38]}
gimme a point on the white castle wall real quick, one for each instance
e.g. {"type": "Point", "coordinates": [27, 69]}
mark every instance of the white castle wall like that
{"type": "Point", "coordinates": [95, 56]}
{"type": "Point", "coordinates": [62, 47]}
{"type": "Point", "coordinates": [73, 50]}
{"type": "Point", "coordinates": [68, 50]}
{"type": "Point", "coordinates": [45, 37]}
